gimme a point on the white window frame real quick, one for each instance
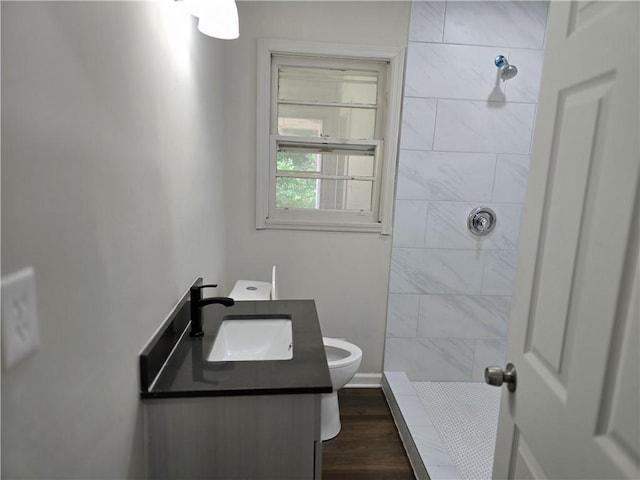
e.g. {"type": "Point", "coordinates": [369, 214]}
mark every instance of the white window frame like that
{"type": "Point", "coordinates": [266, 144]}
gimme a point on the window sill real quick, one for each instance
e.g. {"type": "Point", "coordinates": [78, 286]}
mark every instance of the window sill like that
{"type": "Point", "coordinates": [322, 227]}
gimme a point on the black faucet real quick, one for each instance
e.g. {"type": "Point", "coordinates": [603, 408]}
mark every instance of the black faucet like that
{"type": "Point", "coordinates": [197, 302]}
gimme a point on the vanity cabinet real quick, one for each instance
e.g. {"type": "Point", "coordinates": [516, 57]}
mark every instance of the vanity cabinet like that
{"type": "Point", "coordinates": [237, 437]}
{"type": "Point", "coordinates": [233, 420]}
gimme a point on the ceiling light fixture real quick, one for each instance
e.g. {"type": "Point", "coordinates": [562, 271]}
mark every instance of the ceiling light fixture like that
{"type": "Point", "coordinates": [217, 18]}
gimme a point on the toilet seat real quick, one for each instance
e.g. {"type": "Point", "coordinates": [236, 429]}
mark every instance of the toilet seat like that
{"type": "Point", "coordinates": [352, 352]}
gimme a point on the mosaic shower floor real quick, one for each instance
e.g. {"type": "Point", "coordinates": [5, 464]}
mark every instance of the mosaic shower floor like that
{"type": "Point", "coordinates": [465, 415]}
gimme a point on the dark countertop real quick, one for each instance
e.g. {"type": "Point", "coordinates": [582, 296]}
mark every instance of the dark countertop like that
{"type": "Point", "coordinates": [187, 373]}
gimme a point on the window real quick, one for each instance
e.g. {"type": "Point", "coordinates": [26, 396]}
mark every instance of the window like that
{"type": "Point", "coordinates": [327, 136]}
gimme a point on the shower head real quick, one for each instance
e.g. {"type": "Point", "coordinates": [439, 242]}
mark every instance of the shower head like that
{"type": "Point", "coordinates": [507, 71]}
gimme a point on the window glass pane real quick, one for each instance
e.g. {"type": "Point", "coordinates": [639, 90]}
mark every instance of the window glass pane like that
{"type": "Point", "coordinates": [345, 195]}
{"type": "Point", "coordinates": [300, 127]}
{"type": "Point", "coordinates": [298, 161]}
{"type": "Point", "coordinates": [323, 194]}
{"type": "Point", "coordinates": [336, 122]}
{"type": "Point", "coordinates": [348, 164]}
{"type": "Point", "coordinates": [358, 194]}
{"type": "Point", "coordinates": [326, 159]}
{"type": "Point", "coordinates": [296, 192]}
{"type": "Point", "coordinates": [327, 85]}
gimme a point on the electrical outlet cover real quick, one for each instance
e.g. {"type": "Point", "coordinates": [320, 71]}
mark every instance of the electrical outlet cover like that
{"type": "Point", "coordinates": [20, 335]}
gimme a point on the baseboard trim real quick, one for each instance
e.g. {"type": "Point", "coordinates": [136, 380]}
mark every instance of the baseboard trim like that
{"type": "Point", "coordinates": [365, 380]}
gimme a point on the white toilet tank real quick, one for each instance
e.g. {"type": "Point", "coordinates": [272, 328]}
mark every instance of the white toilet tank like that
{"type": "Point", "coordinates": [251, 290]}
{"type": "Point", "coordinates": [255, 290]}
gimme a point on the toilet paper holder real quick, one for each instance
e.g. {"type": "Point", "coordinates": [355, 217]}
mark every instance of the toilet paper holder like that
{"type": "Point", "coordinates": [481, 221]}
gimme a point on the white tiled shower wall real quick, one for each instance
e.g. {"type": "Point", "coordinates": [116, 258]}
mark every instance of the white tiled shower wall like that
{"type": "Point", "coordinates": [465, 142]}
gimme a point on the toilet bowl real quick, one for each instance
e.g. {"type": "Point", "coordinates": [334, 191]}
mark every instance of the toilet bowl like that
{"type": "Point", "coordinates": [344, 360]}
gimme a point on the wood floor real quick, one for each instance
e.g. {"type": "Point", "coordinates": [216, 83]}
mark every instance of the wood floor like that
{"type": "Point", "coordinates": [368, 446]}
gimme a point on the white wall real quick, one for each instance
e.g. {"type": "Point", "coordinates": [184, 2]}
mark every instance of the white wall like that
{"type": "Point", "coordinates": [465, 142]}
{"type": "Point", "coordinates": [346, 273]}
{"type": "Point", "coordinates": [113, 135]}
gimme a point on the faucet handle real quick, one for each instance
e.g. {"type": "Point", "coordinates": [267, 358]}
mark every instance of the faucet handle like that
{"type": "Point", "coordinates": [200, 287]}
{"type": "Point", "coordinates": [196, 293]}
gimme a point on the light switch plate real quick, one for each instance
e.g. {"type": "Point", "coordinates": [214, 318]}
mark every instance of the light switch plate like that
{"type": "Point", "coordinates": [20, 334]}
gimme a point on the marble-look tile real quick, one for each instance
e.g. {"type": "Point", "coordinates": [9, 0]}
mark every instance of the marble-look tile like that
{"type": "Point", "coordinates": [507, 230]}
{"type": "Point", "coordinates": [511, 178]}
{"type": "Point", "coordinates": [442, 472]}
{"type": "Point", "coordinates": [506, 23]}
{"type": "Point", "coordinates": [402, 315]}
{"type": "Point", "coordinates": [427, 21]}
{"type": "Point", "coordinates": [399, 383]}
{"type": "Point", "coordinates": [470, 343]}
{"type": "Point", "coordinates": [487, 353]}
{"type": "Point", "coordinates": [418, 123]}
{"type": "Point", "coordinates": [413, 411]}
{"type": "Point", "coordinates": [447, 226]}
{"type": "Point", "coordinates": [464, 316]}
{"type": "Point", "coordinates": [430, 447]}
{"type": "Point", "coordinates": [435, 271]}
{"type": "Point", "coordinates": [410, 223]}
{"type": "Point", "coordinates": [525, 86]}
{"type": "Point", "coordinates": [450, 71]}
{"type": "Point", "coordinates": [499, 273]}
{"type": "Point", "coordinates": [424, 359]}
{"type": "Point", "coordinates": [489, 127]}
{"type": "Point", "coordinates": [445, 176]}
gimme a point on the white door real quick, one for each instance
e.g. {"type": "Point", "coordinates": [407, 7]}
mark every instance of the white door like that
{"type": "Point", "coordinates": [574, 335]}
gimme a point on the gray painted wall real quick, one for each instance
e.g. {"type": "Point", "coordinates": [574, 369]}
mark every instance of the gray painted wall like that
{"type": "Point", "coordinates": [465, 142]}
{"type": "Point", "coordinates": [346, 273]}
{"type": "Point", "coordinates": [113, 148]}
{"type": "Point", "coordinates": [128, 160]}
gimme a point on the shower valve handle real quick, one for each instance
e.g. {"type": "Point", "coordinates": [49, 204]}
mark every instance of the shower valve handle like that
{"type": "Point", "coordinates": [496, 376]}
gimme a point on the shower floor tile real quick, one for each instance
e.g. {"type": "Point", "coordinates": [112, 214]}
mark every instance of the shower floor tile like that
{"type": "Point", "coordinates": [465, 415]}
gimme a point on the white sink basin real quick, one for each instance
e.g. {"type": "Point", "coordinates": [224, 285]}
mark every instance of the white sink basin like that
{"type": "Point", "coordinates": [252, 340]}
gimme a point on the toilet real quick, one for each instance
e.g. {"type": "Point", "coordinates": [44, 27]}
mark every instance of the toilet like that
{"type": "Point", "coordinates": [344, 360]}
{"type": "Point", "coordinates": [255, 290]}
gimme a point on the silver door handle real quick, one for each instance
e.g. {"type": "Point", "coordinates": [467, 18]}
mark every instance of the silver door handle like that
{"type": "Point", "coordinates": [496, 376]}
